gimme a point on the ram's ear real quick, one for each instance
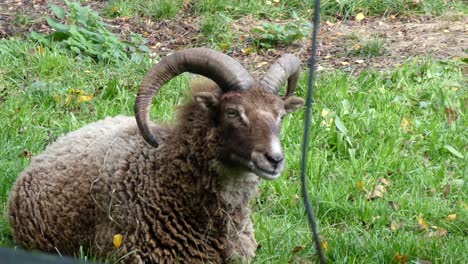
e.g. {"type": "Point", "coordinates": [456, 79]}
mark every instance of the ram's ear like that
{"type": "Point", "coordinates": [292, 103]}
{"type": "Point", "coordinates": [206, 99]}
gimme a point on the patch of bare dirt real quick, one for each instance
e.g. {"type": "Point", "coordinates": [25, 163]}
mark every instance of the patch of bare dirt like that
{"type": "Point", "coordinates": [342, 43]}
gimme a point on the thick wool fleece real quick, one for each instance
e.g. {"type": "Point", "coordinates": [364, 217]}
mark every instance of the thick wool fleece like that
{"type": "Point", "coordinates": [171, 204]}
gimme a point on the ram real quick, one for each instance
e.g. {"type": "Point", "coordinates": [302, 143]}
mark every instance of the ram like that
{"type": "Point", "coordinates": [174, 193]}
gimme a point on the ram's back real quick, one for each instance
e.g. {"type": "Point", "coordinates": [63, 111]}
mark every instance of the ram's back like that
{"type": "Point", "coordinates": [50, 206]}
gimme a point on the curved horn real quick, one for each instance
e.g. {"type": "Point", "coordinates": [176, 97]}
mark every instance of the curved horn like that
{"type": "Point", "coordinates": [287, 67]}
{"type": "Point", "coordinates": [224, 70]}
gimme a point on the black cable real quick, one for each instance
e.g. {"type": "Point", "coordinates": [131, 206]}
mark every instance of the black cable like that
{"type": "Point", "coordinates": [305, 141]}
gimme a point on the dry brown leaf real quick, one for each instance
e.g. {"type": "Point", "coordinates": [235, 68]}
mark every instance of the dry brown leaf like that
{"type": "Point", "coordinates": [446, 190]}
{"type": "Point", "coordinates": [441, 232]}
{"type": "Point", "coordinates": [400, 258]}
{"type": "Point", "coordinates": [384, 181]}
{"type": "Point", "coordinates": [26, 154]}
{"type": "Point", "coordinates": [297, 249]}
{"type": "Point", "coordinates": [426, 159]}
{"type": "Point", "coordinates": [393, 226]}
{"type": "Point", "coordinates": [379, 189]}
{"type": "Point", "coordinates": [451, 114]}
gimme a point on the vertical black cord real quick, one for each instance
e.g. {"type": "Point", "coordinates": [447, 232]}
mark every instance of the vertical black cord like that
{"type": "Point", "coordinates": [305, 141]}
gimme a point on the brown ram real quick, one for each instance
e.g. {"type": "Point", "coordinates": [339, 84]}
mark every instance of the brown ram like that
{"type": "Point", "coordinates": [176, 193]}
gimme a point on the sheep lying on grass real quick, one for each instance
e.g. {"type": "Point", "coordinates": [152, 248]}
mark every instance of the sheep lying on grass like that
{"type": "Point", "coordinates": [175, 193]}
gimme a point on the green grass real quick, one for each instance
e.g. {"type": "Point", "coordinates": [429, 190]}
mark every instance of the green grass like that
{"type": "Point", "coordinates": [159, 9]}
{"type": "Point", "coordinates": [368, 144]}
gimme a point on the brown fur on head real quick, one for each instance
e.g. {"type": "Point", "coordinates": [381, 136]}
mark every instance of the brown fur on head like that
{"type": "Point", "coordinates": [248, 124]}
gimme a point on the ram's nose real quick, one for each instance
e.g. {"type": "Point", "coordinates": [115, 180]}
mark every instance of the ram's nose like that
{"type": "Point", "coordinates": [274, 159]}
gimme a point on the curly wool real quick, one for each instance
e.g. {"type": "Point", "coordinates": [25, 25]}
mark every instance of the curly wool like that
{"type": "Point", "coordinates": [171, 204]}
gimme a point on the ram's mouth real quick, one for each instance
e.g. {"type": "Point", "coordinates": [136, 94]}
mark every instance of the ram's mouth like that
{"type": "Point", "coordinates": [256, 167]}
{"type": "Point", "coordinates": [265, 174]}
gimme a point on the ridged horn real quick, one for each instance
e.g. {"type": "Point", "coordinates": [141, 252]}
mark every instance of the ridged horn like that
{"type": "Point", "coordinates": [287, 67]}
{"type": "Point", "coordinates": [222, 69]}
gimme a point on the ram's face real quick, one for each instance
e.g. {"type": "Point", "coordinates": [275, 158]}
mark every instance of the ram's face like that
{"type": "Point", "coordinates": [250, 124]}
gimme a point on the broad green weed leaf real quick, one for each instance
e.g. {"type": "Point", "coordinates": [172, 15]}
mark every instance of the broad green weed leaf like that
{"type": "Point", "coordinates": [340, 125]}
{"type": "Point", "coordinates": [454, 151]}
{"type": "Point", "coordinates": [57, 25]}
{"type": "Point", "coordinates": [58, 11]}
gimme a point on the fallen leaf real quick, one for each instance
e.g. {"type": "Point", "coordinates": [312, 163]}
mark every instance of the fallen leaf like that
{"type": "Point", "coordinates": [248, 50]}
{"type": "Point", "coordinates": [393, 226]}
{"type": "Point", "coordinates": [117, 240]}
{"type": "Point", "coordinates": [41, 50]}
{"type": "Point", "coordinates": [446, 190]}
{"type": "Point", "coordinates": [451, 114]}
{"type": "Point", "coordinates": [357, 47]}
{"type": "Point", "coordinates": [359, 17]}
{"type": "Point", "coordinates": [451, 217]}
{"type": "Point", "coordinates": [426, 159]}
{"type": "Point", "coordinates": [377, 192]}
{"type": "Point", "coordinates": [344, 63]}
{"type": "Point", "coordinates": [406, 125]}
{"type": "Point", "coordinates": [360, 185]}
{"type": "Point", "coordinates": [297, 249]}
{"type": "Point", "coordinates": [359, 61]}
{"type": "Point", "coordinates": [441, 232]}
{"type": "Point", "coordinates": [422, 223]}
{"type": "Point", "coordinates": [379, 189]}
{"type": "Point", "coordinates": [400, 258]}
{"type": "Point", "coordinates": [85, 98]}
{"type": "Point", "coordinates": [26, 154]}
{"type": "Point", "coordinates": [384, 181]}
{"type": "Point", "coordinates": [325, 112]}
{"type": "Point", "coordinates": [325, 245]}
{"type": "Point", "coordinates": [261, 64]}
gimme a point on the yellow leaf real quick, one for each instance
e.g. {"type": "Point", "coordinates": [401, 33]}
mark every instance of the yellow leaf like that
{"type": "Point", "coordinates": [357, 47]}
{"type": "Point", "coordinates": [421, 222]}
{"type": "Point", "coordinates": [248, 50]}
{"type": "Point", "coordinates": [117, 240]}
{"type": "Point", "coordinates": [41, 50]}
{"type": "Point", "coordinates": [406, 124]}
{"type": "Point", "coordinates": [360, 185]}
{"type": "Point", "coordinates": [276, 1]}
{"type": "Point", "coordinates": [325, 112]}
{"type": "Point", "coordinates": [359, 17]}
{"type": "Point", "coordinates": [325, 245]}
{"type": "Point", "coordinates": [451, 217]}
{"type": "Point", "coordinates": [85, 98]}
{"type": "Point", "coordinates": [58, 98]}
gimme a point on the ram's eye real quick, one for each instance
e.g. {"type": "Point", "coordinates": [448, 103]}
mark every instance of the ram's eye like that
{"type": "Point", "coordinates": [232, 112]}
